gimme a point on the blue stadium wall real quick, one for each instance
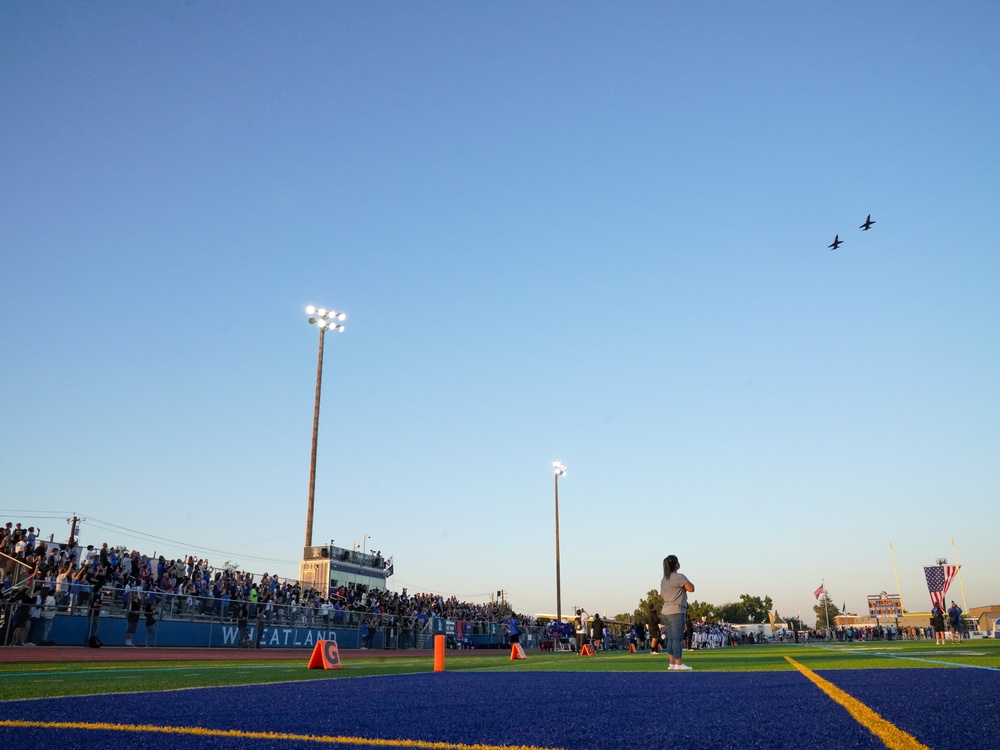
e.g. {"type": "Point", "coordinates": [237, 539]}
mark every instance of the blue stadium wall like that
{"type": "Point", "coordinates": [68, 631]}
{"type": "Point", "coordinates": [71, 630]}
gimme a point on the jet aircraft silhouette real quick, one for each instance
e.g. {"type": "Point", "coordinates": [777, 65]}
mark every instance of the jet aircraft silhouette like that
{"type": "Point", "coordinates": [867, 225]}
{"type": "Point", "coordinates": [837, 242]}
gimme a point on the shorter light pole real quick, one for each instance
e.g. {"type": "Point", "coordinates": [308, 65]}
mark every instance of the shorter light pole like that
{"type": "Point", "coordinates": [560, 471]}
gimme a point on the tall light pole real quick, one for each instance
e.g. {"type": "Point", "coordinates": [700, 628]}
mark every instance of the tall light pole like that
{"type": "Point", "coordinates": [324, 319]}
{"type": "Point", "coordinates": [560, 471]}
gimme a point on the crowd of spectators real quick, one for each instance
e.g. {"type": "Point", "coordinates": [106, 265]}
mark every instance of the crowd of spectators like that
{"type": "Point", "coordinates": [79, 579]}
{"type": "Point", "coordinates": [879, 632]}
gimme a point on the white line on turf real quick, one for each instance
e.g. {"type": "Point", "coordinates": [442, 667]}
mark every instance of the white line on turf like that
{"type": "Point", "coordinates": [926, 661]}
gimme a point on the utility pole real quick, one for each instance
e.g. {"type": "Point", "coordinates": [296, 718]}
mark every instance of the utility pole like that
{"type": "Point", "coordinates": [74, 523]}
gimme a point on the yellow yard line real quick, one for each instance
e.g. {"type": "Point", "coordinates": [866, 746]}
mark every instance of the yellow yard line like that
{"type": "Point", "coordinates": [889, 733]}
{"type": "Point", "coordinates": [240, 734]}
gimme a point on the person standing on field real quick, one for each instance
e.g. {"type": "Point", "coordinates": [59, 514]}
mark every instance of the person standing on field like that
{"type": "Point", "coordinates": [937, 623]}
{"type": "Point", "coordinates": [150, 611]}
{"type": "Point", "coordinates": [134, 612]}
{"type": "Point", "coordinates": [955, 622]}
{"type": "Point", "coordinates": [674, 588]}
{"type": "Point", "coordinates": [581, 628]}
{"type": "Point", "coordinates": [48, 616]}
{"type": "Point", "coordinates": [597, 631]}
{"type": "Point", "coordinates": [653, 624]}
{"type": "Point", "coordinates": [640, 633]}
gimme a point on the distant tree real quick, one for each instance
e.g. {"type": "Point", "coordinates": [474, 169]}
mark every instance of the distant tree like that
{"type": "Point", "coordinates": [826, 611]}
{"type": "Point", "coordinates": [702, 611]}
{"type": "Point", "coordinates": [756, 608]}
{"type": "Point", "coordinates": [748, 609]}
{"type": "Point", "coordinates": [652, 599]}
{"type": "Point", "coordinates": [732, 612]}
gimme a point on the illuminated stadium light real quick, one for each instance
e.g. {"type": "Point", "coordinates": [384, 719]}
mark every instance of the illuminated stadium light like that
{"type": "Point", "coordinates": [325, 320]}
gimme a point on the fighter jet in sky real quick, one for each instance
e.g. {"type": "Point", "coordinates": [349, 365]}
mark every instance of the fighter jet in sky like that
{"type": "Point", "coordinates": [867, 225]}
{"type": "Point", "coordinates": [837, 242]}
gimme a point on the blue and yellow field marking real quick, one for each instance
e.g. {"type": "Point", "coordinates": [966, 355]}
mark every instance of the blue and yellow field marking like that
{"type": "Point", "coordinates": [245, 735]}
{"type": "Point", "coordinates": [893, 737]}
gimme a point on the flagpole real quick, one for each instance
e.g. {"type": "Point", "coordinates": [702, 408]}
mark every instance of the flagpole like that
{"type": "Point", "coordinates": [960, 584]}
{"type": "Point", "coordinates": [826, 604]}
{"type": "Point", "coordinates": [899, 591]}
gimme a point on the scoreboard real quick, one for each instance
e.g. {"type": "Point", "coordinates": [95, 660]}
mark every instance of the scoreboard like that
{"type": "Point", "coordinates": [884, 606]}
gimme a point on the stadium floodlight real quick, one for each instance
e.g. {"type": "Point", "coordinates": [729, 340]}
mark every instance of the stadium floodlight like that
{"type": "Point", "coordinates": [324, 320]}
{"type": "Point", "coordinates": [559, 469]}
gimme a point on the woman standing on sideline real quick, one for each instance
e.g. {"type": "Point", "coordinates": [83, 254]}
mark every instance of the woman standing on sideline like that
{"type": "Point", "coordinates": [674, 589]}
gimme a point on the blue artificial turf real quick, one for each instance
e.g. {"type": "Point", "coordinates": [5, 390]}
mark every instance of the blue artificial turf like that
{"type": "Point", "coordinates": [943, 708]}
{"type": "Point", "coordinates": [591, 711]}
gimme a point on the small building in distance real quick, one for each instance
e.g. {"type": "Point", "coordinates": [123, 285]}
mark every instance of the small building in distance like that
{"type": "Point", "coordinates": [986, 618]}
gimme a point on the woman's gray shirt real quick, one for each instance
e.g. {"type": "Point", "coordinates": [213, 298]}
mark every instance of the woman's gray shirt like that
{"type": "Point", "coordinates": [675, 596]}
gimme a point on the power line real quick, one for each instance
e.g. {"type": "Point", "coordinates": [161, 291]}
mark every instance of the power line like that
{"type": "Point", "coordinates": [108, 526]}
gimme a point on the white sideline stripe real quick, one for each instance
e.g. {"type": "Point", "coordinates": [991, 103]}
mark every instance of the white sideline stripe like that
{"type": "Point", "coordinates": [910, 658]}
{"type": "Point", "coordinates": [104, 672]}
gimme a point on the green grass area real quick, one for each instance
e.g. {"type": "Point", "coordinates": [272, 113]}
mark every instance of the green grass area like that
{"type": "Point", "coordinates": [38, 680]}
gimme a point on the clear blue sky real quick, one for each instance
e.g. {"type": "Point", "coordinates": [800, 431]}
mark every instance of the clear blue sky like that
{"type": "Point", "coordinates": [580, 231]}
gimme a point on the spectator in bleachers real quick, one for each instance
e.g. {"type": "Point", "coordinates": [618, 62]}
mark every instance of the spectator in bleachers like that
{"type": "Point", "coordinates": [48, 616]}
{"type": "Point", "coordinates": [192, 586]}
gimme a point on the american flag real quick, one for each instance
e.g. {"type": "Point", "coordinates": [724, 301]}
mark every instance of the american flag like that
{"type": "Point", "coordinates": [820, 590]}
{"type": "Point", "coordinates": [939, 578]}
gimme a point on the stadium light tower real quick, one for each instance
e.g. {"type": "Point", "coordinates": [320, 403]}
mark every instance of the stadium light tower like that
{"type": "Point", "coordinates": [325, 320]}
{"type": "Point", "coordinates": [560, 471]}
